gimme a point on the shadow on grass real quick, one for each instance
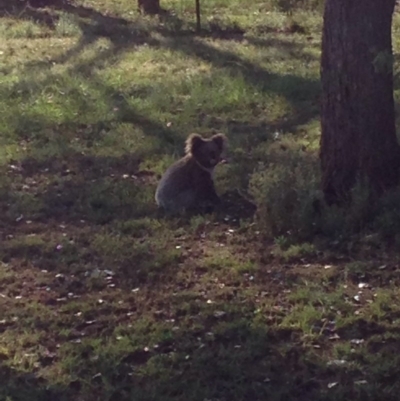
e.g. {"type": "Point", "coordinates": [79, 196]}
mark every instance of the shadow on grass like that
{"type": "Point", "coordinates": [73, 195]}
{"type": "Point", "coordinates": [77, 187]}
{"type": "Point", "coordinates": [19, 385]}
{"type": "Point", "coordinates": [234, 365]}
{"type": "Point", "coordinates": [224, 359]}
{"type": "Point", "coordinates": [93, 188]}
{"type": "Point", "coordinates": [125, 34]}
{"type": "Point", "coordinates": [301, 92]}
{"type": "Point", "coordinates": [22, 10]}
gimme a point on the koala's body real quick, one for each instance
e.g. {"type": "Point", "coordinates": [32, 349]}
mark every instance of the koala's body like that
{"type": "Point", "coordinates": [188, 183]}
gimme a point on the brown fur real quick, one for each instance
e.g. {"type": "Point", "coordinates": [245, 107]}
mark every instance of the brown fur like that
{"type": "Point", "coordinates": [188, 183]}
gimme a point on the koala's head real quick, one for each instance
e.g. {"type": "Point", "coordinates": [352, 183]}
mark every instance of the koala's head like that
{"type": "Point", "coordinates": [207, 152]}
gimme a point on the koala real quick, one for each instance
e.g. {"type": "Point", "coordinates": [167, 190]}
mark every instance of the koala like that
{"type": "Point", "coordinates": [149, 7]}
{"type": "Point", "coordinates": [188, 184]}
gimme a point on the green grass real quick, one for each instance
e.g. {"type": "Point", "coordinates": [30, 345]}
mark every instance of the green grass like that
{"type": "Point", "coordinates": [101, 297]}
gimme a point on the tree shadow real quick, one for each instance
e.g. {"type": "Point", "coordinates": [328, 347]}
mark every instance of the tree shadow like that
{"type": "Point", "coordinates": [295, 88]}
{"type": "Point", "coordinates": [221, 358]}
{"type": "Point", "coordinates": [124, 34]}
{"type": "Point", "coordinates": [75, 187]}
{"type": "Point", "coordinates": [40, 11]}
{"type": "Point", "coordinates": [289, 48]}
{"type": "Point", "coordinates": [18, 385]}
{"type": "Point", "coordinates": [302, 93]}
{"type": "Point", "coordinates": [23, 10]}
{"type": "Point", "coordinates": [72, 200]}
{"type": "Point", "coordinates": [232, 366]}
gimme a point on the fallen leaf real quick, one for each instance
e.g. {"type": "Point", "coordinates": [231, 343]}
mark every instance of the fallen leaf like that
{"type": "Point", "coordinates": [360, 382]}
{"type": "Point", "coordinates": [219, 314]}
{"type": "Point", "coordinates": [337, 362]}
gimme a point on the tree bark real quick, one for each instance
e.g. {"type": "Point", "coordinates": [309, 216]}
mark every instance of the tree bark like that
{"type": "Point", "coordinates": [358, 138]}
{"type": "Point", "coordinates": [150, 7]}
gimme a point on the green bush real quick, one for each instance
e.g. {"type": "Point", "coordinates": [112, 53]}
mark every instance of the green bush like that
{"type": "Point", "coordinates": [387, 220]}
{"type": "Point", "coordinates": [285, 189]}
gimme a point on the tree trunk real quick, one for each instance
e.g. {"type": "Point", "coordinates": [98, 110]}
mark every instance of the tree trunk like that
{"type": "Point", "coordinates": [198, 16]}
{"type": "Point", "coordinates": [150, 7]}
{"type": "Point", "coordinates": [357, 118]}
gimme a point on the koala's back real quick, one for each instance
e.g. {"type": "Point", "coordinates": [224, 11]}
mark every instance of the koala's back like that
{"type": "Point", "coordinates": [177, 187]}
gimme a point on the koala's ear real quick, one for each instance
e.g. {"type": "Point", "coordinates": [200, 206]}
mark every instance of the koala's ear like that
{"type": "Point", "coordinates": [193, 143]}
{"type": "Point", "coordinates": [220, 140]}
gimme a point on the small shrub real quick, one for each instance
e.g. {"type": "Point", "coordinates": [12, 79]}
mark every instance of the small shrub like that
{"type": "Point", "coordinates": [295, 252]}
{"type": "Point", "coordinates": [282, 242]}
{"type": "Point", "coordinates": [343, 221]}
{"type": "Point", "coordinates": [284, 190]}
{"type": "Point", "coordinates": [387, 221]}
{"type": "Point", "coordinates": [363, 215]}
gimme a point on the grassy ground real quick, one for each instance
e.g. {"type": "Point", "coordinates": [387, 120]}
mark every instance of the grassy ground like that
{"type": "Point", "coordinates": [103, 299]}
